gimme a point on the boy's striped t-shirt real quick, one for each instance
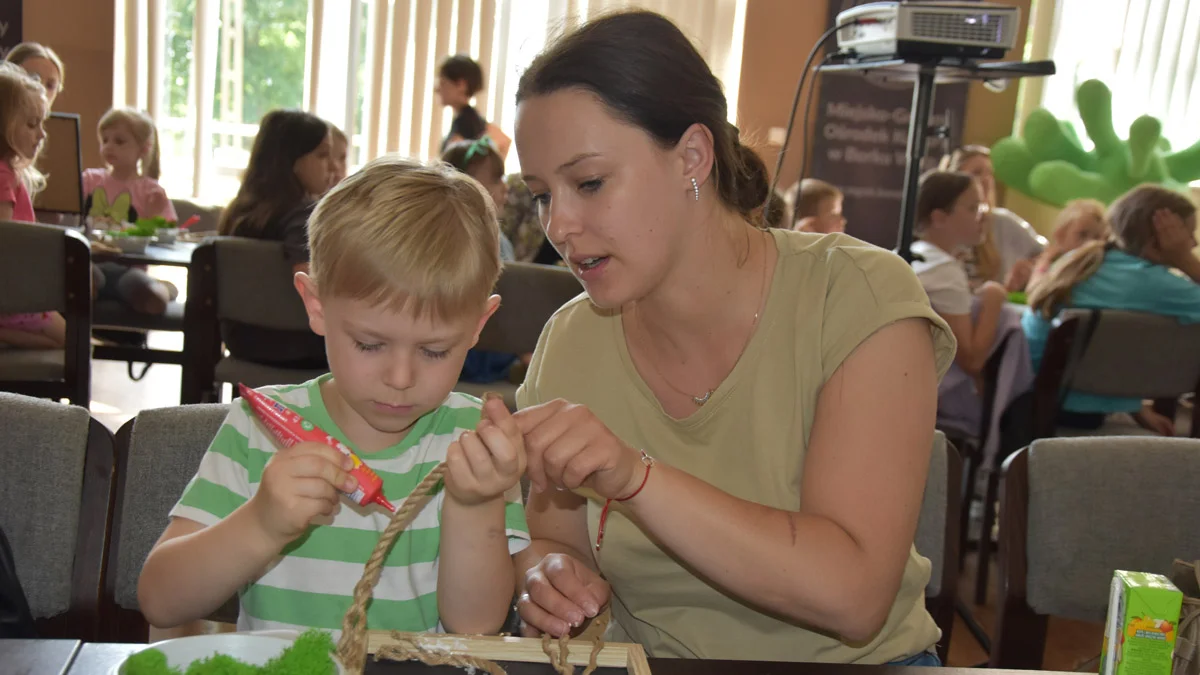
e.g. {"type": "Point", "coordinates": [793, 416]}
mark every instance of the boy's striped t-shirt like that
{"type": "Point", "coordinates": [311, 583]}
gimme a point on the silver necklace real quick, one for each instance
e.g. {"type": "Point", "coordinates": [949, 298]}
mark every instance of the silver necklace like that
{"type": "Point", "coordinates": [702, 399]}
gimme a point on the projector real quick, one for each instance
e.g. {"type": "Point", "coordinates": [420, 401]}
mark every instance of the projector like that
{"type": "Point", "coordinates": [900, 30]}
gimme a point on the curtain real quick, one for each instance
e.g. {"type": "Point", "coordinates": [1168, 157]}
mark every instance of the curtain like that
{"type": "Point", "coordinates": [1146, 51]}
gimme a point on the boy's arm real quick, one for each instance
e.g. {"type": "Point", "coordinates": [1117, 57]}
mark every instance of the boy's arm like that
{"type": "Point", "coordinates": [475, 569]}
{"type": "Point", "coordinates": [192, 569]}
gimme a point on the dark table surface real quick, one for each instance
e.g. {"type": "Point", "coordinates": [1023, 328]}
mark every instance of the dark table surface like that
{"type": "Point", "coordinates": [34, 657]}
{"type": "Point", "coordinates": [178, 254]}
{"type": "Point", "coordinates": [99, 658]}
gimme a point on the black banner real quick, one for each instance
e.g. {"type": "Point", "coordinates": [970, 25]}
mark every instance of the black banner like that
{"type": "Point", "coordinates": [861, 138]}
{"type": "Point", "coordinates": [10, 25]}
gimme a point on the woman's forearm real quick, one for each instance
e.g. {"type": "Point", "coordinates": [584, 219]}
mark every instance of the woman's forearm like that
{"type": "Point", "coordinates": [798, 565]}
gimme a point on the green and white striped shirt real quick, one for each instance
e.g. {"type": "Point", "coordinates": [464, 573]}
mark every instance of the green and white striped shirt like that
{"type": "Point", "coordinates": [312, 581]}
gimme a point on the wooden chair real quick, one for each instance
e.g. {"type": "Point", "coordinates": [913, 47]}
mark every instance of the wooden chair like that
{"type": "Point", "coordinates": [157, 453]}
{"type": "Point", "coordinates": [1071, 513]}
{"type": "Point", "coordinates": [244, 280]}
{"type": "Point", "coordinates": [529, 295]}
{"type": "Point", "coordinates": [937, 536]}
{"type": "Point", "coordinates": [1116, 353]}
{"type": "Point", "coordinates": [55, 509]}
{"type": "Point", "coordinates": [45, 268]}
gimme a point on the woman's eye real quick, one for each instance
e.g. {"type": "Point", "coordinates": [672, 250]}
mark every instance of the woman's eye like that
{"type": "Point", "coordinates": [367, 347]}
{"type": "Point", "coordinates": [591, 186]}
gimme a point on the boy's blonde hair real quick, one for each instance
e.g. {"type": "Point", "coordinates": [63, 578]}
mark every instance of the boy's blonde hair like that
{"type": "Point", "coordinates": [142, 127]}
{"type": "Point", "coordinates": [809, 195]}
{"type": "Point", "coordinates": [1131, 220]}
{"type": "Point", "coordinates": [19, 93]}
{"type": "Point", "coordinates": [413, 237]}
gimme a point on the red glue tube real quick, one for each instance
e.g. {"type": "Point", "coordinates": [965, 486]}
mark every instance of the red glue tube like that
{"type": "Point", "coordinates": [289, 428]}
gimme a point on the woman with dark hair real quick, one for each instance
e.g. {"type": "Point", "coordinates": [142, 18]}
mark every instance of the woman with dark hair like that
{"type": "Point", "coordinates": [695, 423]}
{"type": "Point", "coordinates": [291, 166]}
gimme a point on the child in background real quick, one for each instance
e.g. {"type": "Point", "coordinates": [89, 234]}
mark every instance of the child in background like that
{"type": "Point", "coordinates": [23, 110]}
{"type": "Point", "coordinates": [291, 165]}
{"type": "Point", "coordinates": [1081, 221]}
{"type": "Point", "coordinates": [818, 207]}
{"type": "Point", "coordinates": [1009, 246]}
{"type": "Point", "coordinates": [340, 155]}
{"type": "Point", "coordinates": [480, 160]}
{"type": "Point", "coordinates": [459, 79]}
{"type": "Point", "coordinates": [949, 219]}
{"type": "Point", "coordinates": [123, 192]}
{"type": "Point", "coordinates": [1153, 230]}
{"type": "Point", "coordinates": [404, 258]}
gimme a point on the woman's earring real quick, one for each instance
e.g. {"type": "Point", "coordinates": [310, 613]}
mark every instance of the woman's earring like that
{"type": "Point", "coordinates": [696, 189]}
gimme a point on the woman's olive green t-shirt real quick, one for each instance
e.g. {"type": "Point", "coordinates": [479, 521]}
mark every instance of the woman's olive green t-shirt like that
{"type": "Point", "coordinates": [829, 294]}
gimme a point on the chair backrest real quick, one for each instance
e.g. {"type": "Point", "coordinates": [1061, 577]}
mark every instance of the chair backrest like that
{"type": "Point", "coordinates": [158, 452]}
{"type": "Point", "coordinates": [254, 284]}
{"type": "Point", "coordinates": [1134, 354]}
{"type": "Point", "coordinates": [937, 534]}
{"type": "Point", "coordinates": [62, 162]}
{"type": "Point", "coordinates": [1073, 510]}
{"type": "Point", "coordinates": [44, 268]}
{"type": "Point", "coordinates": [529, 295]}
{"type": "Point", "coordinates": [55, 492]}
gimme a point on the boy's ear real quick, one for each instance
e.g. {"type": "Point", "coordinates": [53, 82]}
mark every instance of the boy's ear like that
{"type": "Point", "coordinates": [307, 288]}
{"type": "Point", "coordinates": [493, 303]}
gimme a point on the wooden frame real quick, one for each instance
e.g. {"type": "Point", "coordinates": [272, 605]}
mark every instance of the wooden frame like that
{"type": "Point", "coordinates": [1020, 640]}
{"type": "Point", "coordinates": [522, 650]}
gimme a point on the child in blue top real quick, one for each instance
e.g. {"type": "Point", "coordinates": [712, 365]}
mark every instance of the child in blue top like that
{"type": "Point", "coordinates": [1153, 231]}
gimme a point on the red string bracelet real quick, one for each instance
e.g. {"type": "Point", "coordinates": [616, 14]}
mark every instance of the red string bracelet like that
{"type": "Point", "coordinates": [649, 462]}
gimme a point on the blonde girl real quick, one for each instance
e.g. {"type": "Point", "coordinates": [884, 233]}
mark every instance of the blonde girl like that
{"type": "Point", "coordinates": [43, 64]}
{"type": "Point", "coordinates": [22, 112]}
{"type": "Point", "coordinates": [1153, 231]}
{"type": "Point", "coordinates": [127, 188]}
{"type": "Point", "coordinates": [1081, 221]}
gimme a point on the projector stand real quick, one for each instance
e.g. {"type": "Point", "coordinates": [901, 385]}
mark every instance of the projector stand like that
{"type": "Point", "coordinates": [925, 74]}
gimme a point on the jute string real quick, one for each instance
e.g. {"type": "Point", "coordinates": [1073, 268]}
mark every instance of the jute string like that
{"type": "Point", "coordinates": [352, 648]}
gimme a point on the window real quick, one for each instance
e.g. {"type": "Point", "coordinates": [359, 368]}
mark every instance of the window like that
{"type": "Point", "coordinates": [213, 68]}
{"type": "Point", "coordinates": [1146, 51]}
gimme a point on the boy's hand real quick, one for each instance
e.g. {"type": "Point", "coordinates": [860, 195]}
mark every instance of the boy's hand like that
{"type": "Point", "coordinates": [483, 464]}
{"type": "Point", "coordinates": [299, 484]}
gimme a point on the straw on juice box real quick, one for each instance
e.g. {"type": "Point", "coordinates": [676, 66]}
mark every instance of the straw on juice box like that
{"type": "Point", "coordinates": [289, 428]}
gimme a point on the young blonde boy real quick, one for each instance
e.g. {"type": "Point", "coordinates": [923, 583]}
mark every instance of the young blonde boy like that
{"type": "Point", "coordinates": [404, 257]}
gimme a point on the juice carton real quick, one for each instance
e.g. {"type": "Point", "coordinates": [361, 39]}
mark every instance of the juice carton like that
{"type": "Point", "coordinates": [1139, 633]}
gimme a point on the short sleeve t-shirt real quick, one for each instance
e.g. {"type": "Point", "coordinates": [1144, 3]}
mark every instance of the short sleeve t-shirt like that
{"type": "Point", "coordinates": [124, 201]}
{"type": "Point", "coordinates": [13, 191]}
{"type": "Point", "coordinates": [829, 294]}
{"type": "Point", "coordinates": [944, 279]}
{"type": "Point", "coordinates": [311, 583]}
{"type": "Point", "coordinates": [1123, 282]}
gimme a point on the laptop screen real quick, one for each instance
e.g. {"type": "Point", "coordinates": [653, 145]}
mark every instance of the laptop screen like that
{"type": "Point", "coordinates": [62, 164]}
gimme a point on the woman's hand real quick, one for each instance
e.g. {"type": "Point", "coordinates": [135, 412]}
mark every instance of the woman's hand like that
{"type": "Point", "coordinates": [560, 594]}
{"type": "Point", "coordinates": [569, 447]}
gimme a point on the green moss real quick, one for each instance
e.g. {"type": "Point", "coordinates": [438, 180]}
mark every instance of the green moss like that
{"type": "Point", "coordinates": [311, 654]}
{"type": "Point", "coordinates": [149, 662]}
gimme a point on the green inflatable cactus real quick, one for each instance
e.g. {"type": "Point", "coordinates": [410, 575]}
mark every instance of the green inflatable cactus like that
{"type": "Point", "coordinates": [1048, 162]}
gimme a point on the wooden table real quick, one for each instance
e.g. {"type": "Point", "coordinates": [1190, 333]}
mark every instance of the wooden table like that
{"type": "Point", "coordinates": [35, 657]}
{"type": "Point", "coordinates": [178, 254]}
{"type": "Point", "coordinates": [98, 658]}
